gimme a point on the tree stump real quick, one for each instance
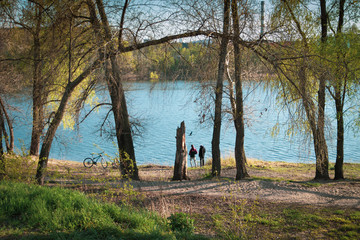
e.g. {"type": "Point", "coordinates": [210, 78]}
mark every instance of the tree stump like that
{"type": "Point", "coordinates": [180, 167]}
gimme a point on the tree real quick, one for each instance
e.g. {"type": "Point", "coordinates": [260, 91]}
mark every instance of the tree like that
{"type": "Point", "coordinates": [32, 15]}
{"type": "Point", "coordinates": [10, 83]}
{"type": "Point", "coordinates": [293, 61]}
{"type": "Point", "coordinates": [238, 111]}
{"type": "Point", "coordinates": [38, 92]}
{"type": "Point", "coordinates": [76, 71]}
{"type": "Point", "coordinates": [105, 58]}
{"type": "Point", "coordinates": [321, 151]}
{"type": "Point", "coordinates": [215, 143]}
{"type": "Point", "coordinates": [73, 20]}
{"type": "Point", "coordinates": [113, 79]}
{"type": "Point", "coordinates": [335, 65]}
{"type": "Point", "coordinates": [341, 68]}
{"type": "Point", "coordinates": [42, 41]}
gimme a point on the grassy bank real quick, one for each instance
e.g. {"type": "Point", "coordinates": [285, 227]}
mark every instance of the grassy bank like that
{"type": "Point", "coordinates": [82, 203]}
{"type": "Point", "coordinates": [234, 218]}
{"type": "Point", "coordinates": [33, 212]}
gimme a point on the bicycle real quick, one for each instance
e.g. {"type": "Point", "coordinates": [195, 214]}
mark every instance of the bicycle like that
{"type": "Point", "coordinates": [90, 161]}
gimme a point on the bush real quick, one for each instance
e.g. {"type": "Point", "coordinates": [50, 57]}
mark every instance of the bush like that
{"type": "Point", "coordinates": [181, 222]}
{"type": "Point", "coordinates": [18, 167]}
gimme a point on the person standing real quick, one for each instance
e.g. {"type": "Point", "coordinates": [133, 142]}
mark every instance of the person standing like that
{"type": "Point", "coordinates": [192, 154]}
{"type": "Point", "coordinates": [202, 155]}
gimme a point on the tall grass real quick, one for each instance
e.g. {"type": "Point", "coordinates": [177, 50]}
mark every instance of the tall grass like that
{"type": "Point", "coordinates": [44, 212]}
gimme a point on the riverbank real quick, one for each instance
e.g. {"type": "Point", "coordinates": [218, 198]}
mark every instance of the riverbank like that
{"type": "Point", "coordinates": [279, 200]}
{"type": "Point", "coordinates": [269, 181]}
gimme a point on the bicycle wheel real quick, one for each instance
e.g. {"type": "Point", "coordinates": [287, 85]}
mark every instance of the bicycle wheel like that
{"type": "Point", "coordinates": [104, 163]}
{"type": "Point", "coordinates": [88, 162]}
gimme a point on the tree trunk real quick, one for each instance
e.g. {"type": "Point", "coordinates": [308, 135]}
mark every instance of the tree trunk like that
{"type": "Point", "coordinates": [321, 150]}
{"type": "Point", "coordinates": [9, 140]}
{"type": "Point", "coordinates": [2, 162]}
{"type": "Point", "coordinates": [46, 146]}
{"type": "Point", "coordinates": [240, 157]}
{"type": "Point", "coordinates": [215, 143]}
{"type": "Point", "coordinates": [122, 125]}
{"type": "Point", "coordinates": [37, 127]}
{"type": "Point", "coordinates": [38, 118]}
{"type": "Point", "coordinates": [317, 127]}
{"type": "Point", "coordinates": [339, 103]}
{"type": "Point", "coordinates": [339, 172]}
{"type": "Point", "coordinates": [1, 134]}
{"type": "Point", "coordinates": [2, 129]}
{"type": "Point", "coordinates": [321, 153]}
{"type": "Point", "coordinates": [180, 167]}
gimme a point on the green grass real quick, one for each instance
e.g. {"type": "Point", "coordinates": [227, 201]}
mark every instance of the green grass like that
{"type": "Point", "coordinates": [351, 170]}
{"type": "Point", "coordinates": [245, 219]}
{"type": "Point", "coordinates": [269, 179]}
{"type": "Point", "coordinates": [34, 212]}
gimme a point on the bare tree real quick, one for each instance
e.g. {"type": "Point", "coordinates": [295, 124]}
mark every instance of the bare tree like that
{"type": "Point", "coordinates": [240, 157]}
{"type": "Point", "coordinates": [215, 143]}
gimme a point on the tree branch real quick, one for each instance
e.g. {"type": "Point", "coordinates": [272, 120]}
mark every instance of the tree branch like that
{"type": "Point", "coordinates": [98, 105]}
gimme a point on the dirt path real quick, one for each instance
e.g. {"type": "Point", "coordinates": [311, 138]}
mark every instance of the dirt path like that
{"type": "Point", "coordinates": [341, 193]}
{"type": "Point", "coordinates": [265, 185]}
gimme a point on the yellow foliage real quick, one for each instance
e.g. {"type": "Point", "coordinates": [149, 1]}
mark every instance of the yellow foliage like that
{"type": "Point", "coordinates": [154, 77]}
{"type": "Point", "coordinates": [68, 121]}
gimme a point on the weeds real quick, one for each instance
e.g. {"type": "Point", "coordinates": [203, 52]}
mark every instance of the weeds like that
{"type": "Point", "coordinates": [238, 223]}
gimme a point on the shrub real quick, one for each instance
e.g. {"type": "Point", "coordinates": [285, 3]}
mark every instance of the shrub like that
{"type": "Point", "coordinates": [181, 222]}
{"type": "Point", "coordinates": [18, 167]}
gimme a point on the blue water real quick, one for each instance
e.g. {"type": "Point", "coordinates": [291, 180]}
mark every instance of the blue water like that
{"type": "Point", "coordinates": [161, 108]}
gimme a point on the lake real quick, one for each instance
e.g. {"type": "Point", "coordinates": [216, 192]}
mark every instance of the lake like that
{"type": "Point", "coordinates": [161, 108]}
